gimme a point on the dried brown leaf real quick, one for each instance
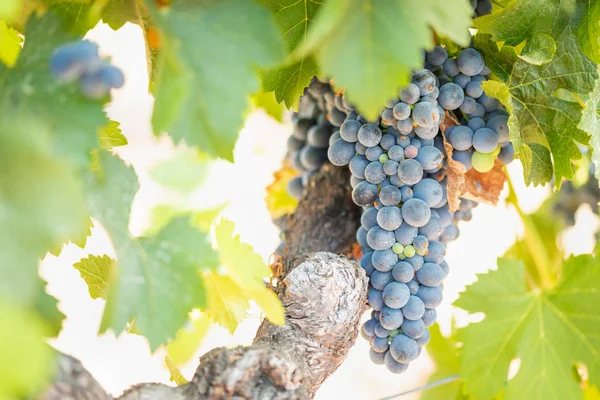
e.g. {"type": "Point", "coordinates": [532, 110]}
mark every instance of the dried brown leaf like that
{"type": "Point", "coordinates": [456, 171]}
{"type": "Point", "coordinates": [485, 188]}
{"type": "Point", "coordinates": [473, 185]}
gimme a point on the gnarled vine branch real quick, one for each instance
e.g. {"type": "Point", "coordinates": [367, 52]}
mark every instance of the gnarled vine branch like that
{"type": "Point", "coordinates": [324, 295]}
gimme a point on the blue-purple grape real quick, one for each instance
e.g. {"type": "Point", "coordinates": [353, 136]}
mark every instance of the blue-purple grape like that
{"type": "Point", "coordinates": [395, 295]}
{"type": "Point", "coordinates": [413, 329]}
{"type": "Point", "coordinates": [451, 96]}
{"type": "Point", "coordinates": [470, 62]}
{"type": "Point", "coordinates": [404, 349]}
{"type": "Point", "coordinates": [369, 135]}
{"type": "Point", "coordinates": [403, 272]}
{"type": "Point", "coordinates": [416, 212]}
{"type": "Point", "coordinates": [430, 274]}
{"type": "Point", "coordinates": [485, 140]}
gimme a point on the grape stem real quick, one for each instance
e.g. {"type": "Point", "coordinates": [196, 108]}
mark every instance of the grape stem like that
{"type": "Point", "coordinates": [533, 239]}
{"type": "Point", "coordinates": [424, 387]}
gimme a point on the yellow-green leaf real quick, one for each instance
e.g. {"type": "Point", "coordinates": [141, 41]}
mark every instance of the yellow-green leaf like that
{"type": "Point", "coordinates": [10, 44]}
{"type": "Point", "coordinates": [245, 267]}
{"type": "Point", "coordinates": [10, 9]}
{"type": "Point", "coordinates": [97, 272]}
{"type": "Point", "coordinates": [26, 358]}
{"type": "Point", "coordinates": [444, 352]}
{"type": "Point", "coordinates": [226, 303]}
{"type": "Point", "coordinates": [162, 214]}
{"type": "Point", "coordinates": [188, 339]}
{"type": "Point", "coordinates": [279, 201]}
{"type": "Point", "coordinates": [267, 102]}
{"type": "Point", "coordinates": [247, 270]}
{"type": "Point", "coordinates": [184, 171]}
{"type": "Point", "coordinates": [110, 135]}
{"type": "Point", "coordinates": [591, 393]}
{"type": "Point", "coordinates": [269, 303]}
{"type": "Point", "coordinates": [205, 218]}
{"type": "Point", "coordinates": [176, 375]}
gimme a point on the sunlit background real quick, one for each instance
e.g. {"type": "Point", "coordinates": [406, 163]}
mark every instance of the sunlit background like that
{"type": "Point", "coordinates": [120, 362]}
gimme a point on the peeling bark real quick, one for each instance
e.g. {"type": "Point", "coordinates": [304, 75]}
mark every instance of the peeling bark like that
{"type": "Point", "coordinates": [324, 295]}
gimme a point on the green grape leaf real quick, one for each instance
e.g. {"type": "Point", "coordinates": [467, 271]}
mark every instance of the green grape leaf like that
{"type": "Point", "coordinates": [26, 358]}
{"type": "Point", "coordinates": [370, 46]}
{"type": "Point", "coordinates": [531, 326]}
{"type": "Point", "coordinates": [540, 123]}
{"type": "Point", "coordinates": [188, 339]}
{"type": "Point", "coordinates": [116, 13]}
{"type": "Point", "coordinates": [206, 71]}
{"type": "Point", "coordinates": [539, 49]}
{"type": "Point", "coordinates": [589, 31]}
{"type": "Point", "coordinates": [269, 104]}
{"type": "Point", "coordinates": [204, 219]}
{"type": "Point", "coordinates": [80, 240]}
{"type": "Point", "coordinates": [288, 81]}
{"type": "Point", "coordinates": [590, 123]}
{"type": "Point", "coordinates": [46, 307]}
{"type": "Point", "coordinates": [97, 272]}
{"type": "Point", "coordinates": [522, 19]}
{"type": "Point", "coordinates": [110, 135]}
{"type": "Point", "coordinates": [10, 44]}
{"type": "Point", "coordinates": [444, 353]}
{"type": "Point", "coordinates": [45, 130]}
{"type": "Point", "coordinates": [184, 171]}
{"type": "Point", "coordinates": [161, 214]}
{"type": "Point", "coordinates": [158, 280]}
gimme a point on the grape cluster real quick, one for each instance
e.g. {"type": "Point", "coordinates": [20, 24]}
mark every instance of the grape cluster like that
{"type": "Point", "coordinates": [80, 61]}
{"type": "Point", "coordinates": [320, 112]}
{"type": "Point", "coordinates": [399, 177]}
{"type": "Point", "coordinates": [482, 135]}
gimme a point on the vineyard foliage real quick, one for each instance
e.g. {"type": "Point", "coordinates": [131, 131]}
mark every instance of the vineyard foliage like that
{"type": "Point", "coordinates": [210, 62]}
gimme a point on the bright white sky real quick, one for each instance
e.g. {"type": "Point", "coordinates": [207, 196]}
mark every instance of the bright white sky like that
{"type": "Point", "coordinates": [121, 362]}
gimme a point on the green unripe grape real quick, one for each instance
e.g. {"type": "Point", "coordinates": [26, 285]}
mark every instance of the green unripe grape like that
{"type": "Point", "coordinates": [496, 151]}
{"type": "Point", "coordinates": [409, 250]}
{"type": "Point", "coordinates": [394, 333]}
{"type": "Point", "coordinates": [398, 248]}
{"type": "Point", "coordinates": [482, 162]}
{"type": "Point", "coordinates": [383, 158]}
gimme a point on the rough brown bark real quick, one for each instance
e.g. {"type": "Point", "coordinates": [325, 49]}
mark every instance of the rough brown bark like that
{"type": "Point", "coordinates": [324, 295]}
